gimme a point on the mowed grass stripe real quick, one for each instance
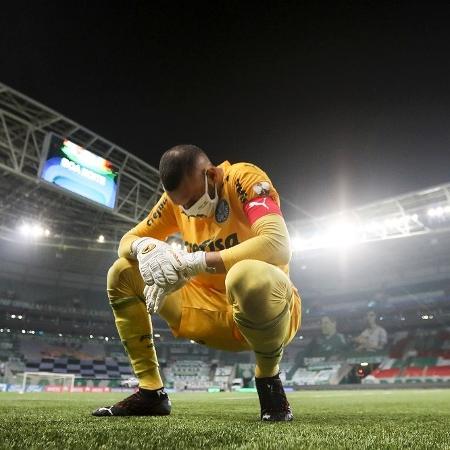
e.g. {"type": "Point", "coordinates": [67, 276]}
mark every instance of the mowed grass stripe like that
{"type": "Point", "coordinates": [335, 419]}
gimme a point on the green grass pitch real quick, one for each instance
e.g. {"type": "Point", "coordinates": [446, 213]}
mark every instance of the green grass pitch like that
{"type": "Point", "coordinates": [323, 419]}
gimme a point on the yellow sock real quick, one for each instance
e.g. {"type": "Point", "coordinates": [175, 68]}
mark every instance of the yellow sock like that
{"type": "Point", "coordinates": [266, 340]}
{"type": "Point", "coordinates": [125, 288]}
{"type": "Point", "coordinates": [133, 324]}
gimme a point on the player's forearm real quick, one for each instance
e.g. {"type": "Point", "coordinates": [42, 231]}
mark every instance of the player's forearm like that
{"type": "Point", "coordinates": [124, 250]}
{"type": "Point", "coordinates": [271, 244]}
{"type": "Point", "coordinates": [261, 248]}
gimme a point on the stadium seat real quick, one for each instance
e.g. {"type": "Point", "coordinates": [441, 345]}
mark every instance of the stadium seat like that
{"type": "Point", "coordinates": [439, 371]}
{"type": "Point", "coordinates": [413, 372]}
{"type": "Point", "coordinates": [422, 362]}
{"type": "Point", "coordinates": [386, 373]}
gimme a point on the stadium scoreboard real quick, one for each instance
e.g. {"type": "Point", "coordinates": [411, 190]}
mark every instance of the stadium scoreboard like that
{"type": "Point", "coordinates": [78, 171]}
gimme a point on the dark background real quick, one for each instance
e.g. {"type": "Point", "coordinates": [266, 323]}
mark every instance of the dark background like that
{"type": "Point", "coordinates": [342, 103]}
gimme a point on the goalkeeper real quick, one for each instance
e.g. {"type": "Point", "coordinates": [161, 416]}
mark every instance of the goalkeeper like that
{"type": "Point", "coordinates": [230, 290]}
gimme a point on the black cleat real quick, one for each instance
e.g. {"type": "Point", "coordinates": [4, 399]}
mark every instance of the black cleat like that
{"type": "Point", "coordinates": [274, 404]}
{"type": "Point", "coordinates": [141, 403]}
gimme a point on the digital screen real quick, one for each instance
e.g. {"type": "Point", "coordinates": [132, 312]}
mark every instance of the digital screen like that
{"type": "Point", "coordinates": [79, 171]}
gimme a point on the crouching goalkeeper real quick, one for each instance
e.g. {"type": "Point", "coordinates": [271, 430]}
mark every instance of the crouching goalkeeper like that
{"type": "Point", "coordinates": [230, 290]}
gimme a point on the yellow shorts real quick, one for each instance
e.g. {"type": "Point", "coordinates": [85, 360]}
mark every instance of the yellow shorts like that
{"type": "Point", "coordinates": [202, 313]}
{"type": "Point", "coordinates": [207, 317]}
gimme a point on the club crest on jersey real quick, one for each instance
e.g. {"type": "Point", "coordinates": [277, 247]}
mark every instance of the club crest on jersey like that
{"type": "Point", "coordinates": [222, 211]}
{"type": "Point", "coordinates": [261, 188]}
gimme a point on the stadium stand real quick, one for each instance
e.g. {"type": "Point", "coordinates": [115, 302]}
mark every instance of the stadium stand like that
{"type": "Point", "coordinates": [188, 375]}
{"type": "Point", "coordinates": [412, 355]}
{"type": "Point", "coordinates": [86, 368]}
{"type": "Point", "coordinates": [320, 374]}
{"type": "Point", "coordinates": [223, 377]}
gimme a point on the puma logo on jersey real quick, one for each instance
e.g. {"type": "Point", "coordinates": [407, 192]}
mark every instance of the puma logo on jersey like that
{"type": "Point", "coordinates": [259, 207]}
{"type": "Point", "coordinates": [255, 203]}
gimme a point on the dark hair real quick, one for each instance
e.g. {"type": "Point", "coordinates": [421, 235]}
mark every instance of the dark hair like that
{"type": "Point", "coordinates": [176, 162]}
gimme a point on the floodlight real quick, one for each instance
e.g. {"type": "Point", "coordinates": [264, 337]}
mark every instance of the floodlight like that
{"type": "Point", "coordinates": [297, 244]}
{"type": "Point", "coordinates": [343, 234]}
{"type": "Point", "coordinates": [25, 229]}
{"type": "Point", "coordinates": [35, 230]}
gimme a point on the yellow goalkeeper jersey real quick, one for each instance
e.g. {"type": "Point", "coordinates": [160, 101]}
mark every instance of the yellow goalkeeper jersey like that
{"type": "Point", "coordinates": [242, 200]}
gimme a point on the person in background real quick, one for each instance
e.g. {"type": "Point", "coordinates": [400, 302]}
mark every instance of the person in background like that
{"type": "Point", "coordinates": [374, 337]}
{"type": "Point", "coordinates": [330, 343]}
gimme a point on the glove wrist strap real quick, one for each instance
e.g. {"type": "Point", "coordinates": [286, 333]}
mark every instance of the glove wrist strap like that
{"type": "Point", "coordinates": [202, 263]}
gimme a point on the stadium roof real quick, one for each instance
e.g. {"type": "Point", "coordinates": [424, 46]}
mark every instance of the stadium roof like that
{"type": "Point", "coordinates": [26, 199]}
{"type": "Point", "coordinates": [416, 213]}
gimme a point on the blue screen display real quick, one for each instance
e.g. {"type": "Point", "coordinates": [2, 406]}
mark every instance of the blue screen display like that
{"type": "Point", "coordinates": [80, 171]}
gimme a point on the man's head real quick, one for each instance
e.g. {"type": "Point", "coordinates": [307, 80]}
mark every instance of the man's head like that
{"type": "Point", "coordinates": [328, 325]}
{"type": "Point", "coordinates": [372, 318]}
{"type": "Point", "coordinates": [184, 171]}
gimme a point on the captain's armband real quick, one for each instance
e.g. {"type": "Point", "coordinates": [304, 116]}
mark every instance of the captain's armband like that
{"type": "Point", "coordinates": [259, 207]}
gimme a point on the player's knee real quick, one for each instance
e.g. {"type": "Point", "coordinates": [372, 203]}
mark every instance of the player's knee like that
{"type": "Point", "coordinates": [117, 275]}
{"type": "Point", "coordinates": [118, 270]}
{"type": "Point", "coordinates": [247, 285]}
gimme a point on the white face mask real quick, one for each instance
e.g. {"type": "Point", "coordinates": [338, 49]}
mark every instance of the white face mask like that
{"type": "Point", "coordinates": [205, 206]}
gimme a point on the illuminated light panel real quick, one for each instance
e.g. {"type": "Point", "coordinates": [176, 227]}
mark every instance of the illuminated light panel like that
{"type": "Point", "coordinates": [439, 211]}
{"type": "Point", "coordinates": [344, 234]}
{"type": "Point", "coordinates": [33, 230]}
